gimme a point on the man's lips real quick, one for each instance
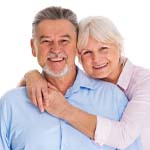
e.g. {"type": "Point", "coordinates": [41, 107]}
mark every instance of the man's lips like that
{"type": "Point", "coordinates": [55, 59]}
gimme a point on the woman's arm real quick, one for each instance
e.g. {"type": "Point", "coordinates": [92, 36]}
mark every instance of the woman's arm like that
{"type": "Point", "coordinates": [122, 133]}
{"type": "Point", "coordinates": [37, 88]}
{"type": "Point", "coordinates": [107, 131]}
{"type": "Point", "coordinates": [58, 106]}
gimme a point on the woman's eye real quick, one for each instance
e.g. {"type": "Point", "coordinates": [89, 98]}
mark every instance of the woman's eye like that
{"type": "Point", "coordinates": [103, 48]}
{"type": "Point", "coordinates": [86, 52]}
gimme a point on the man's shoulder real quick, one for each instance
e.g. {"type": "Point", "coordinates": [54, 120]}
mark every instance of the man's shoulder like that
{"type": "Point", "coordinates": [95, 83]}
{"type": "Point", "coordinates": [110, 92]}
{"type": "Point", "coordinates": [100, 87]}
{"type": "Point", "coordinates": [14, 94]}
{"type": "Point", "coordinates": [108, 86]}
{"type": "Point", "coordinates": [110, 96]}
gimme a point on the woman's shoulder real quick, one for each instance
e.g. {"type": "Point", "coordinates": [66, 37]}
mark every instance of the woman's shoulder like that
{"type": "Point", "coordinates": [140, 73]}
{"type": "Point", "coordinates": [134, 73]}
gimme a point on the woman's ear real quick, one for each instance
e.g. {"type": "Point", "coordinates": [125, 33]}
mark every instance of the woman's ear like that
{"type": "Point", "coordinates": [32, 44]}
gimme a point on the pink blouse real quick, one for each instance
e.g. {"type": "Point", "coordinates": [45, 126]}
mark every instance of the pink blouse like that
{"type": "Point", "coordinates": [135, 82]}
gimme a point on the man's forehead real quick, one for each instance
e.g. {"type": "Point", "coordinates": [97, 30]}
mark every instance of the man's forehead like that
{"type": "Point", "coordinates": [60, 27]}
{"type": "Point", "coordinates": [57, 24]}
{"type": "Point", "coordinates": [59, 36]}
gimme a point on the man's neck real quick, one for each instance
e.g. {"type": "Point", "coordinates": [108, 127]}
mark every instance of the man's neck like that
{"type": "Point", "coordinates": [63, 83]}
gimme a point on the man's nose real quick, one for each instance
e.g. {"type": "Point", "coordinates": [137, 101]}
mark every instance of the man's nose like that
{"type": "Point", "coordinates": [56, 48]}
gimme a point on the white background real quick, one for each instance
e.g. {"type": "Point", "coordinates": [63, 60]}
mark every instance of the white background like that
{"type": "Point", "coordinates": [132, 17]}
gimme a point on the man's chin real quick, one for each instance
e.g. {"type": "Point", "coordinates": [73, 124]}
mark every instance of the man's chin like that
{"type": "Point", "coordinates": [56, 74]}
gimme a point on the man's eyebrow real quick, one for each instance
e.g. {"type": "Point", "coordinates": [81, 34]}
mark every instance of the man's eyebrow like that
{"type": "Point", "coordinates": [66, 36]}
{"type": "Point", "coordinates": [62, 36]}
{"type": "Point", "coordinates": [43, 36]}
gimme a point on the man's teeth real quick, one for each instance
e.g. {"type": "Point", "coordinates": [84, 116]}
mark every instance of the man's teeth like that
{"type": "Point", "coordinates": [56, 59]}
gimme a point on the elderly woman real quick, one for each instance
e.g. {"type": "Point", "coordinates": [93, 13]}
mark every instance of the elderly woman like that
{"type": "Point", "coordinates": [101, 55]}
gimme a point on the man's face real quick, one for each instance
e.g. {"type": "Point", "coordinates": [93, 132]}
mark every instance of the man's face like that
{"type": "Point", "coordinates": [54, 46]}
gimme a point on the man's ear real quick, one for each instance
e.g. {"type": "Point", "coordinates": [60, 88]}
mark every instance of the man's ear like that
{"type": "Point", "coordinates": [33, 47]}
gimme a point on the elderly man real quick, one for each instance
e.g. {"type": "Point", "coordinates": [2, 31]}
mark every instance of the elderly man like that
{"type": "Point", "coordinates": [22, 126]}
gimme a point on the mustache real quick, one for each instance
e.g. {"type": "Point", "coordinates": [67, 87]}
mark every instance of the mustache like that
{"type": "Point", "coordinates": [56, 55]}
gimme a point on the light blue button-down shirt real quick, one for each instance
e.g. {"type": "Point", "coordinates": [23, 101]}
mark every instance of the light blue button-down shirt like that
{"type": "Point", "coordinates": [23, 127]}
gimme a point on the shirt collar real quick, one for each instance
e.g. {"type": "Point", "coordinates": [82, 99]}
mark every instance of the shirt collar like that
{"type": "Point", "coordinates": [125, 76]}
{"type": "Point", "coordinates": [82, 81]}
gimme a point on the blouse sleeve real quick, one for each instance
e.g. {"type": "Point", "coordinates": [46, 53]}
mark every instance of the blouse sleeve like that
{"type": "Point", "coordinates": [121, 134]}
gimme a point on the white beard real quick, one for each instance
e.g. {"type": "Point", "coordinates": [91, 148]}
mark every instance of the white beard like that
{"type": "Point", "coordinates": [56, 75]}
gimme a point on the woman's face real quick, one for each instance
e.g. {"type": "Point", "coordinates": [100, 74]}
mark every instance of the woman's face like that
{"type": "Point", "coordinates": [101, 60]}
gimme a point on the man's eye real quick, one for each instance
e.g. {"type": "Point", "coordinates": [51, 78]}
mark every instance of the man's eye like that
{"type": "Point", "coordinates": [45, 41]}
{"type": "Point", "coordinates": [64, 41]}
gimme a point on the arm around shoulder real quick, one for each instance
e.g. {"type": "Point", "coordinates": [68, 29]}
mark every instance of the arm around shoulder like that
{"type": "Point", "coordinates": [129, 128]}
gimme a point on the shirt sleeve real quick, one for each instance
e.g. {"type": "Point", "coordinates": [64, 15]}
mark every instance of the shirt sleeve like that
{"type": "Point", "coordinates": [3, 127]}
{"type": "Point", "coordinates": [130, 126]}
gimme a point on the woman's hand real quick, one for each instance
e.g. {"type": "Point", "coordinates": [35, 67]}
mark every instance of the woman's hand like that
{"type": "Point", "coordinates": [37, 88]}
{"type": "Point", "coordinates": [59, 107]}
{"type": "Point", "coordinates": [56, 104]}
